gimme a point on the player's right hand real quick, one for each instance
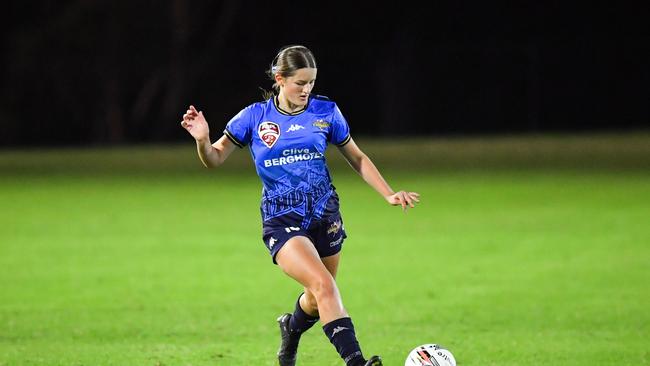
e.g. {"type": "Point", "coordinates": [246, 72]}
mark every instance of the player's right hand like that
{"type": "Point", "coordinates": [194, 122]}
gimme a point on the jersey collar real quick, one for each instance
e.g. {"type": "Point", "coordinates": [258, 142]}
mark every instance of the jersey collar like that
{"type": "Point", "coordinates": [276, 103]}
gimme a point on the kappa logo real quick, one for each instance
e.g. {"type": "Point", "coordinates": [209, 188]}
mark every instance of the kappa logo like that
{"type": "Point", "coordinates": [321, 124]}
{"type": "Point", "coordinates": [338, 329]}
{"type": "Point", "coordinates": [272, 242]}
{"type": "Point", "coordinates": [269, 132]}
{"type": "Point", "coordinates": [295, 128]}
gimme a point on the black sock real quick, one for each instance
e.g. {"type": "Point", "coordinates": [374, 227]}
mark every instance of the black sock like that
{"type": "Point", "coordinates": [300, 321]}
{"type": "Point", "coordinates": [341, 333]}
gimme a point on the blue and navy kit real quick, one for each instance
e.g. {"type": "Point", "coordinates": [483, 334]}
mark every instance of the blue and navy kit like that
{"type": "Point", "coordinates": [289, 155]}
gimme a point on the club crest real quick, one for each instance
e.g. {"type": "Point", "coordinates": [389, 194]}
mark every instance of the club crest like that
{"type": "Point", "coordinates": [269, 132]}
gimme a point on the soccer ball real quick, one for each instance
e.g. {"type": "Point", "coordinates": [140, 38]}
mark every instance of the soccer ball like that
{"type": "Point", "coordinates": [430, 355]}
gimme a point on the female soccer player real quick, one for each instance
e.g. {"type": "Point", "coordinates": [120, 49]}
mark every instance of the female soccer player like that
{"type": "Point", "coordinates": [302, 227]}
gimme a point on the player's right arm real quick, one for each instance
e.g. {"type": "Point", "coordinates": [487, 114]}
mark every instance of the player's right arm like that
{"type": "Point", "coordinates": [211, 155]}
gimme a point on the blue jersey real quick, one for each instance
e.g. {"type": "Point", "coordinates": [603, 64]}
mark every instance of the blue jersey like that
{"type": "Point", "coordinates": [289, 155]}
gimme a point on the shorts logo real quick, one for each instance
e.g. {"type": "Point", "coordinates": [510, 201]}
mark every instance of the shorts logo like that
{"type": "Point", "coordinates": [336, 242]}
{"type": "Point", "coordinates": [269, 132]}
{"type": "Point", "coordinates": [321, 124]}
{"type": "Point", "coordinates": [334, 227]}
{"type": "Point", "coordinates": [272, 242]}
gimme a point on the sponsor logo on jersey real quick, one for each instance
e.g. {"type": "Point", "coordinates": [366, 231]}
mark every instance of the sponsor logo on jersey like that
{"type": "Point", "coordinates": [295, 128]}
{"type": "Point", "coordinates": [269, 132]}
{"type": "Point", "coordinates": [290, 156]}
{"type": "Point", "coordinates": [321, 123]}
{"type": "Point", "coordinates": [334, 227]}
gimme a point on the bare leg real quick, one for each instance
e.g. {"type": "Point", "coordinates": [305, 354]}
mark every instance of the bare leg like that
{"type": "Point", "coordinates": [299, 259]}
{"type": "Point", "coordinates": [308, 300]}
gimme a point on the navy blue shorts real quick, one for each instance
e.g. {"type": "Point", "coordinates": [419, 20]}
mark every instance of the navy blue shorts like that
{"type": "Point", "coordinates": [326, 233]}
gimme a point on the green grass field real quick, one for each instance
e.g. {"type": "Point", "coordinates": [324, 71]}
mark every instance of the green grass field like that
{"type": "Point", "coordinates": [524, 251]}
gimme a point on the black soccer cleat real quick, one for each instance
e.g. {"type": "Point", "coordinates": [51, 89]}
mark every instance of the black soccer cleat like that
{"type": "Point", "coordinates": [374, 361]}
{"type": "Point", "coordinates": [289, 347]}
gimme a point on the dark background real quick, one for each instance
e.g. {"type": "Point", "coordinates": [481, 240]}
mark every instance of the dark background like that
{"type": "Point", "coordinates": [122, 72]}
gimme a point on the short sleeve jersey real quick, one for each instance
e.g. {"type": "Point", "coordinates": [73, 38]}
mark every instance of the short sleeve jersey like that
{"type": "Point", "coordinates": [289, 154]}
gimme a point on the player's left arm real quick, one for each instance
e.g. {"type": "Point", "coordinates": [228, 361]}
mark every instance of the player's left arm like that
{"type": "Point", "coordinates": [362, 164]}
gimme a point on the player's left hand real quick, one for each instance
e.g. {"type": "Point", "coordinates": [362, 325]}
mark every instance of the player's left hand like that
{"type": "Point", "coordinates": [404, 199]}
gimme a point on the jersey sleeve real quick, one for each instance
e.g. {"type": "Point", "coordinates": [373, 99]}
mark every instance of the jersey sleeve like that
{"type": "Point", "coordinates": [339, 131]}
{"type": "Point", "coordinates": [239, 128]}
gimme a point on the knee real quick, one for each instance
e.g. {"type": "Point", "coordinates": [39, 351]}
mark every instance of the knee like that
{"type": "Point", "coordinates": [324, 287]}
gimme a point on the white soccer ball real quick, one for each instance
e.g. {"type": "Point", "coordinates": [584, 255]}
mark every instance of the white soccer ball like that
{"type": "Point", "coordinates": [430, 355]}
